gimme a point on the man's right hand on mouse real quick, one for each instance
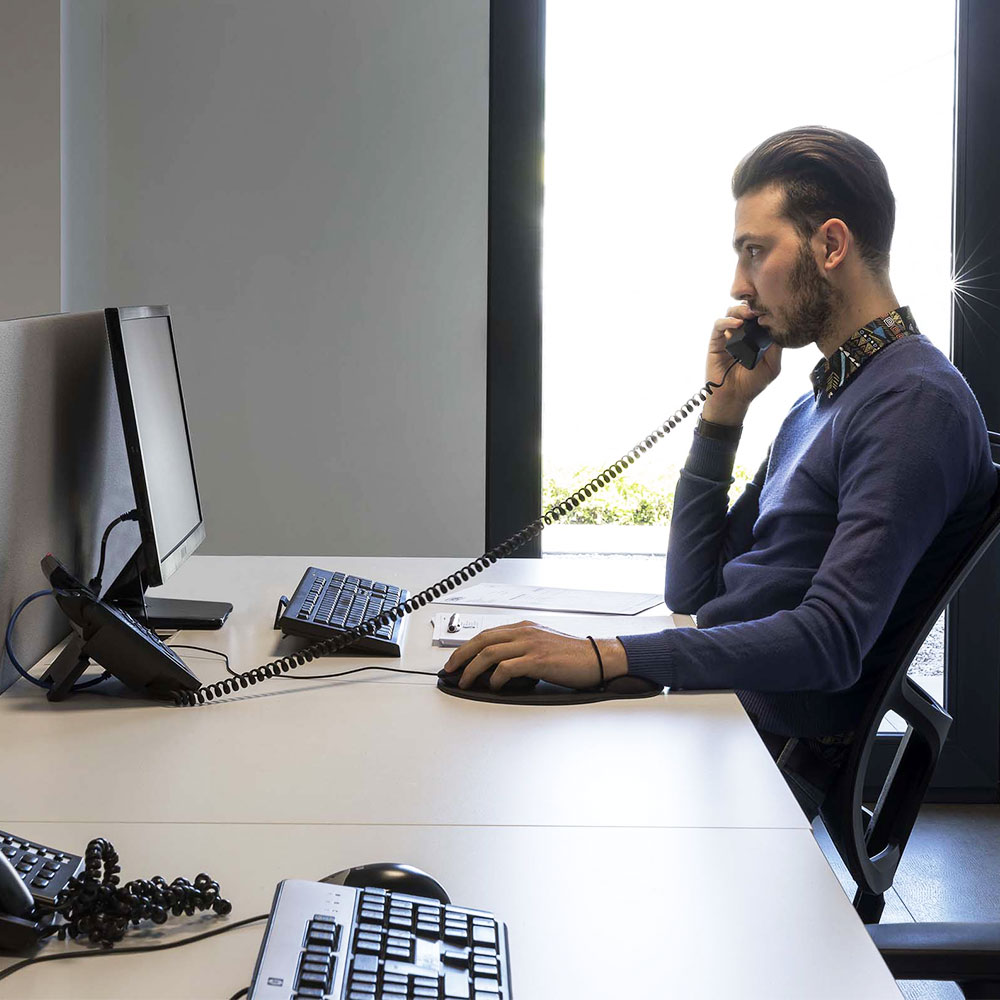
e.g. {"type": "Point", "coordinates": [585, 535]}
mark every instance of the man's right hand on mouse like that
{"type": "Point", "coordinates": [527, 649]}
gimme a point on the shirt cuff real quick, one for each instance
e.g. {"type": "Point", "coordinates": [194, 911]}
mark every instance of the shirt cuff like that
{"type": "Point", "coordinates": [720, 432]}
{"type": "Point", "coordinates": [711, 458]}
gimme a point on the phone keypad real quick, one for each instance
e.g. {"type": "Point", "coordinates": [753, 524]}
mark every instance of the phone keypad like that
{"type": "Point", "coordinates": [44, 870]}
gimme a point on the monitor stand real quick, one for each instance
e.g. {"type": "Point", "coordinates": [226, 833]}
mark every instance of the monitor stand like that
{"type": "Point", "coordinates": [175, 613]}
{"type": "Point", "coordinates": [128, 592]}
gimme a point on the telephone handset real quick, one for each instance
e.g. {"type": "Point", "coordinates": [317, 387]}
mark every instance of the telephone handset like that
{"type": "Point", "coordinates": [744, 354]}
{"type": "Point", "coordinates": [111, 638]}
{"type": "Point", "coordinates": [748, 344]}
{"type": "Point", "coordinates": [31, 878]}
{"type": "Point", "coordinates": [17, 930]}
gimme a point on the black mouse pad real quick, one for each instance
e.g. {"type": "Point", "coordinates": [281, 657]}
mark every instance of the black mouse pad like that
{"type": "Point", "coordinates": [545, 693]}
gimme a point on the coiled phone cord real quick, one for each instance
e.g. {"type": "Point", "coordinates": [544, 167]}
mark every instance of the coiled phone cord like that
{"type": "Point", "coordinates": [324, 647]}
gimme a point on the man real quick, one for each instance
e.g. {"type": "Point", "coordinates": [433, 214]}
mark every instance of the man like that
{"type": "Point", "coordinates": [880, 472]}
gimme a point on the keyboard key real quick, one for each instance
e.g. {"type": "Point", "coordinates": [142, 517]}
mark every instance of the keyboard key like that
{"type": "Point", "coordinates": [483, 935]}
{"type": "Point", "coordinates": [365, 963]}
{"type": "Point", "coordinates": [456, 986]}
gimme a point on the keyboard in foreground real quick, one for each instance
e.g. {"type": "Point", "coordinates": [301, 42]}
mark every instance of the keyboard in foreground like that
{"type": "Point", "coordinates": [340, 943]}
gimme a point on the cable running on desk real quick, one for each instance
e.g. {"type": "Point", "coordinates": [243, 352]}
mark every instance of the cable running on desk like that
{"type": "Point", "coordinates": [325, 647]}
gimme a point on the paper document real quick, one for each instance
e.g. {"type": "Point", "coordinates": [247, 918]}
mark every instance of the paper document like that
{"type": "Point", "coordinates": [471, 623]}
{"type": "Point", "coordinates": [514, 595]}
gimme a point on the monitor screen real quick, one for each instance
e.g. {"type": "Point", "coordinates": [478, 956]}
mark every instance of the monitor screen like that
{"type": "Point", "coordinates": [155, 425]}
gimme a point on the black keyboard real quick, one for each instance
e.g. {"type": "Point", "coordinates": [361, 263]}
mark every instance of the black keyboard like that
{"type": "Point", "coordinates": [328, 603]}
{"type": "Point", "coordinates": [332, 942]}
{"type": "Point", "coordinates": [43, 870]}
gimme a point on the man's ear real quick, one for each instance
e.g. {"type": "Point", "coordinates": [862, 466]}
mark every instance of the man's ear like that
{"type": "Point", "coordinates": [836, 239]}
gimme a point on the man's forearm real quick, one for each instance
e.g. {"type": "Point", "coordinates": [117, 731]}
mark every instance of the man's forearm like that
{"type": "Point", "coordinates": [698, 521]}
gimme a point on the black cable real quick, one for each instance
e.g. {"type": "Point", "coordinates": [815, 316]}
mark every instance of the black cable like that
{"type": "Point", "coordinates": [355, 670]}
{"type": "Point", "coordinates": [325, 647]}
{"type": "Point", "coordinates": [95, 906]}
{"type": "Point", "coordinates": [8, 646]}
{"type": "Point", "coordinates": [204, 649]}
{"type": "Point", "coordinates": [242, 993]}
{"type": "Point", "coordinates": [131, 515]}
{"type": "Point", "coordinates": [103, 952]}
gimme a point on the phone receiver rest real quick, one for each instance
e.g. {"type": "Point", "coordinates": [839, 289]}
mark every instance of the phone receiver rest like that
{"type": "Point", "coordinates": [748, 344]}
{"type": "Point", "coordinates": [544, 693]}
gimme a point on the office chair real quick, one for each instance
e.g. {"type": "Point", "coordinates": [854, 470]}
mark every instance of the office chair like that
{"type": "Point", "coordinates": [871, 842]}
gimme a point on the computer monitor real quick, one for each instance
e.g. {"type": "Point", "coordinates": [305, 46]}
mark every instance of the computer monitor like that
{"type": "Point", "coordinates": [158, 444]}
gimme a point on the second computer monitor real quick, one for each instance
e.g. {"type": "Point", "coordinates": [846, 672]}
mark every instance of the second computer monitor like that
{"type": "Point", "coordinates": [161, 462]}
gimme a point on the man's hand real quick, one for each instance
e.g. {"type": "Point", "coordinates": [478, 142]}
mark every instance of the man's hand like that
{"type": "Point", "coordinates": [530, 650]}
{"type": "Point", "coordinates": [729, 404]}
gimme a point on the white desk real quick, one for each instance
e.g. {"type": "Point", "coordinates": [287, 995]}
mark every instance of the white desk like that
{"type": "Point", "coordinates": [661, 822]}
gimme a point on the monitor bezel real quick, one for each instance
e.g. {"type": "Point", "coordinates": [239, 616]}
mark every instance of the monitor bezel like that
{"type": "Point", "coordinates": [157, 566]}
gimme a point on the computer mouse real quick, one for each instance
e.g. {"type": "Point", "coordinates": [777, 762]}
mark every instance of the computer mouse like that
{"type": "Point", "coordinates": [392, 877]}
{"type": "Point", "coordinates": [516, 685]}
{"type": "Point", "coordinates": [629, 684]}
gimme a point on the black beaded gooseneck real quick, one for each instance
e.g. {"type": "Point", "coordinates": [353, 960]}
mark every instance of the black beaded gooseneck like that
{"type": "Point", "coordinates": [325, 647]}
{"type": "Point", "coordinates": [96, 907]}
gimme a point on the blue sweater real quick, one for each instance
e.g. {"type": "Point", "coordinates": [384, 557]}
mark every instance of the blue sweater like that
{"type": "Point", "coordinates": [796, 586]}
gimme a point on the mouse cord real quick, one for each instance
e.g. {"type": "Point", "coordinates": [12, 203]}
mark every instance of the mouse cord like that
{"type": "Point", "coordinates": [356, 670]}
{"type": "Point", "coordinates": [325, 647]}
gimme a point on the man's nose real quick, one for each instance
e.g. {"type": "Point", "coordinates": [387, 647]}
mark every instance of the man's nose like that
{"type": "Point", "coordinates": [742, 289]}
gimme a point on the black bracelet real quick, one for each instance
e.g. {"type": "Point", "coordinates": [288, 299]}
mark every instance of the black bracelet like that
{"type": "Point", "coordinates": [600, 662]}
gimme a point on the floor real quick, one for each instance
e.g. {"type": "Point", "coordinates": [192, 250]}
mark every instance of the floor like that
{"type": "Point", "coordinates": [950, 871]}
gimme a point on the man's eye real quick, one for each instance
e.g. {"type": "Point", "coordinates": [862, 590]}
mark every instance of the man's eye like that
{"type": "Point", "coordinates": [752, 251]}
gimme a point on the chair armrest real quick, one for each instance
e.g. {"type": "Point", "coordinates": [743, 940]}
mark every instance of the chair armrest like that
{"type": "Point", "coordinates": [943, 951]}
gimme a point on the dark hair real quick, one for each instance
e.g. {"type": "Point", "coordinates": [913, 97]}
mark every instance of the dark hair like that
{"type": "Point", "coordinates": [826, 174]}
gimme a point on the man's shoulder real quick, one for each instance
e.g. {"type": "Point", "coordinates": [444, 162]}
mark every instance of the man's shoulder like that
{"type": "Point", "coordinates": [910, 369]}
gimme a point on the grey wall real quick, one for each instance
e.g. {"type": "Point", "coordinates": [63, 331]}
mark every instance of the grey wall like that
{"type": "Point", "coordinates": [304, 183]}
{"type": "Point", "coordinates": [29, 160]}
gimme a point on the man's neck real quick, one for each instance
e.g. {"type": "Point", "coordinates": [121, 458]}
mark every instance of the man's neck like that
{"type": "Point", "coordinates": [859, 312]}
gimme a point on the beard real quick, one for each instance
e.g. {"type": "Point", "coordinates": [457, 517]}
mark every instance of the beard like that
{"type": "Point", "coordinates": [810, 314]}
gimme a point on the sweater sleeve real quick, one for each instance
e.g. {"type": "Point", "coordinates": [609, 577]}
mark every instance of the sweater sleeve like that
{"type": "Point", "coordinates": [903, 468]}
{"type": "Point", "coordinates": [705, 533]}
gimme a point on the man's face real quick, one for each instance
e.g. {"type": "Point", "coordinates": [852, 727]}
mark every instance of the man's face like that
{"type": "Point", "coordinates": [777, 274]}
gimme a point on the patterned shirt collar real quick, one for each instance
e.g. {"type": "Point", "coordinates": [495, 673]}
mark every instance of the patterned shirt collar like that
{"type": "Point", "coordinates": [831, 374]}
